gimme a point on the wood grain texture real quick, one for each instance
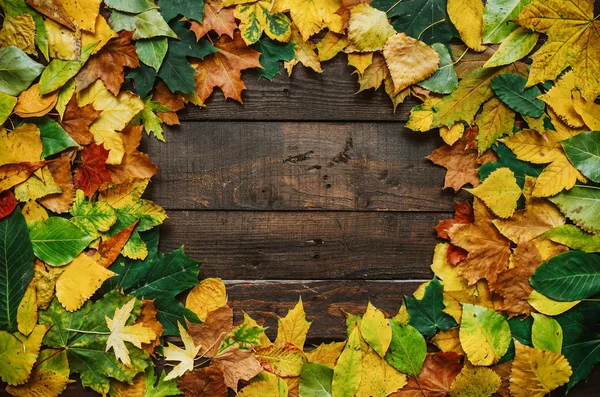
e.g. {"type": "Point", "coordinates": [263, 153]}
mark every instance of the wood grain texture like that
{"type": "Point", "coordinates": [306, 95]}
{"type": "Point", "coordinates": [297, 166]}
{"type": "Point", "coordinates": [253, 245]}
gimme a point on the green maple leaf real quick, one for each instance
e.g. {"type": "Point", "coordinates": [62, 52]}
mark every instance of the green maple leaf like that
{"type": "Point", "coordinates": [148, 118]}
{"type": "Point", "coordinates": [143, 79]}
{"type": "Point", "coordinates": [427, 315]}
{"type": "Point", "coordinates": [271, 52]}
{"type": "Point", "coordinates": [160, 277]}
{"type": "Point", "coordinates": [84, 333]}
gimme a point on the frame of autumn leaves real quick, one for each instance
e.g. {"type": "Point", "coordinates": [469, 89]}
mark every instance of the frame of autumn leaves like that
{"type": "Point", "coordinates": [98, 304]}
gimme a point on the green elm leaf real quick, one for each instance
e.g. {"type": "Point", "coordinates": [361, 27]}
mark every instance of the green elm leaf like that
{"type": "Point", "coordinates": [573, 237]}
{"type": "Point", "coordinates": [315, 380]}
{"type": "Point", "coordinates": [497, 19]}
{"type": "Point", "coordinates": [427, 315]}
{"type": "Point", "coordinates": [57, 241]}
{"type": "Point", "coordinates": [16, 267]}
{"type": "Point", "coordinates": [54, 138]}
{"type": "Point", "coordinates": [510, 88]}
{"type": "Point", "coordinates": [546, 333]}
{"type": "Point", "coordinates": [583, 151]}
{"type": "Point", "coordinates": [192, 9]}
{"type": "Point", "coordinates": [444, 80]}
{"type": "Point", "coordinates": [271, 52]}
{"type": "Point", "coordinates": [581, 204]}
{"type": "Point", "coordinates": [567, 277]}
{"type": "Point", "coordinates": [17, 70]}
{"type": "Point", "coordinates": [152, 51]}
{"type": "Point", "coordinates": [144, 25]}
{"type": "Point", "coordinates": [408, 349]}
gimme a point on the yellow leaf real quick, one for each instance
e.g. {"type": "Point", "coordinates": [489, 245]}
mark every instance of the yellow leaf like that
{"type": "Point", "coordinates": [447, 273]}
{"type": "Point", "coordinates": [63, 43]}
{"type": "Point", "coordinates": [402, 316]}
{"type": "Point", "coordinates": [310, 16]}
{"type": "Point", "coordinates": [409, 60]}
{"type": "Point", "coordinates": [536, 373]}
{"type": "Point", "coordinates": [589, 111]}
{"type": "Point", "coordinates": [360, 61]}
{"type": "Point", "coordinates": [530, 146]}
{"type": "Point", "coordinates": [79, 281]}
{"type": "Point", "coordinates": [549, 306]}
{"type": "Point", "coordinates": [563, 131]}
{"type": "Point", "coordinates": [449, 341]}
{"type": "Point", "coordinates": [556, 177]}
{"type": "Point", "coordinates": [477, 294]}
{"type": "Point", "coordinates": [467, 16]}
{"type": "Point", "coordinates": [19, 32]}
{"type": "Point", "coordinates": [269, 387]}
{"type": "Point", "coordinates": [123, 194]}
{"type": "Point", "coordinates": [45, 281]}
{"type": "Point", "coordinates": [518, 44]}
{"type": "Point", "coordinates": [559, 99]}
{"type": "Point", "coordinates": [326, 354]}
{"type": "Point", "coordinates": [39, 185]}
{"type": "Point", "coordinates": [33, 104]}
{"type": "Point", "coordinates": [499, 191]}
{"type": "Point", "coordinates": [32, 211]}
{"type": "Point", "coordinates": [421, 116]}
{"type": "Point", "coordinates": [495, 120]}
{"type": "Point", "coordinates": [484, 335]}
{"type": "Point", "coordinates": [185, 357]}
{"type": "Point", "coordinates": [376, 330]}
{"type": "Point", "coordinates": [368, 29]}
{"type": "Point", "coordinates": [18, 354]}
{"type": "Point", "coordinates": [83, 12]}
{"type": "Point", "coordinates": [23, 144]}
{"type": "Point", "coordinates": [137, 388]}
{"type": "Point", "coordinates": [207, 296]}
{"type": "Point", "coordinates": [7, 104]}
{"type": "Point", "coordinates": [27, 313]}
{"type": "Point", "coordinates": [264, 341]}
{"type": "Point", "coordinates": [452, 134]}
{"type": "Point", "coordinates": [293, 327]}
{"type": "Point", "coordinates": [331, 45]}
{"type": "Point", "coordinates": [120, 333]}
{"type": "Point", "coordinates": [304, 52]}
{"type": "Point", "coordinates": [475, 382]}
{"type": "Point", "coordinates": [117, 112]}
{"type": "Point", "coordinates": [101, 35]}
{"type": "Point", "coordinates": [43, 382]}
{"type": "Point", "coordinates": [256, 19]}
{"type": "Point", "coordinates": [382, 379]}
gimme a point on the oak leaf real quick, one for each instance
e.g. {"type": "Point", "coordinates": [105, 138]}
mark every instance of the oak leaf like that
{"type": "Point", "coordinates": [109, 64]}
{"type": "Point", "coordinates": [223, 69]}
{"type": "Point", "coordinates": [203, 382]}
{"type": "Point", "coordinates": [573, 41]}
{"type": "Point", "coordinates": [92, 172]}
{"type": "Point", "coordinates": [185, 357]}
{"type": "Point", "coordinates": [76, 120]}
{"type": "Point", "coordinates": [436, 377]}
{"type": "Point", "coordinates": [216, 18]}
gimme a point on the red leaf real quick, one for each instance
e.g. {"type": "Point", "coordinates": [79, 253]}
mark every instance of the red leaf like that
{"type": "Point", "coordinates": [463, 214]}
{"type": "Point", "coordinates": [436, 377]}
{"type": "Point", "coordinates": [92, 172]}
{"type": "Point", "coordinates": [8, 202]}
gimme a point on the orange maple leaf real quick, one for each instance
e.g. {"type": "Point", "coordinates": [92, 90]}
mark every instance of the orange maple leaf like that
{"type": "Point", "coordinates": [61, 172]}
{"type": "Point", "coordinates": [460, 161]}
{"type": "Point", "coordinates": [92, 172]}
{"type": "Point", "coordinates": [172, 101]}
{"type": "Point", "coordinates": [435, 378]}
{"type": "Point", "coordinates": [76, 121]}
{"type": "Point", "coordinates": [135, 164]}
{"type": "Point", "coordinates": [220, 20]}
{"type": "Point", "coordinates": [223, 69]}
{"type": "Point", "coordinates": [109, 64]}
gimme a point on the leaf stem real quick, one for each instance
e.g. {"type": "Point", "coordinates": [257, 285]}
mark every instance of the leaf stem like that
{"type": "Point", "coordinates": [394, 6]}
{"type": "Point", "coordinates": [429, 26]}
{"type": "Point", "coordinates": [50, 356]}
{"type": "Point", "coordinates": [88, 332]}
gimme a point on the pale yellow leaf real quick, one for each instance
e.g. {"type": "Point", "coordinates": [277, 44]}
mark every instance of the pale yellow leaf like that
{"type": "Point", "coordinates": [63, 43]}
{"type": "Point", "coordinates": [207, 296]}
{"type": "Point", "coordinates": [368, 29]}
{"type": "Point", "coordinates": [184, 356]}
{"type": "Point", "coordinates": [467, 16]}
{"type": "Point", "coordinates": [293, 327]}
{"type": "Point", "coordinates": [499, 191]}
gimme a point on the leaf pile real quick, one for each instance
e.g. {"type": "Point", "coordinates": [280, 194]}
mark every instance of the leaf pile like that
{"type": "Point", "coordinates": [512, 308]}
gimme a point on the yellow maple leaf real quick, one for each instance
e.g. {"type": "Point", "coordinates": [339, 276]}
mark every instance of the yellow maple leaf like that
{"type": "Point", "coordinates": [536, 373]}
{"type": "Point", "coordinates": [573, 41]}
{"type": "Point", "coordinates": [360, 61]}
{"type": "Point", "coordinates": [184, 356]}
{"type": "Point", "coordinates": [120, 333]}
{"type": "Point", "coordinates": [499, 191]}
{"type": "Point", "coordinates": [293, 327]}
{"type": "Point", "coordinates": [368, 29]}
{"type": "Point", "coordinates": [326, 354]}
{"type": "Point", "coordinates": [559, 99]}
{"type": "Point", "coordinates": [81, 278]}
{"type": "Point", "coordinates": [43, 382]}
{"type": "Point", "coordinates": [19, 32]}
{"type": "Point", "coordinates": [207, 296]}
{"type": "Point", "coordinates": [409, 60]}
{"type": "Point", "coordinates": [310, 16]}
{"type": "Point", "coordinates": [589, 111]}
{"type": "Point", "coordinates": [256, 19]}
{"type": "Point", "coordinates": [304, 53]}
{"type": "Point", "coordinates": [467, 16]}
{"type": "Point", "coordinates": [18, 354]}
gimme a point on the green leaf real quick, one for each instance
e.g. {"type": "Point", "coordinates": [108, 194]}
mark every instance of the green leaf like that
{"type": "Point", "coordinates": [484, 334]}
{"type": "Point", "coordinates": [315, 380]}
{"type": "Point", "coordinates": [408, 349]}
{"type": "Point", "coordinates": [86, 351]}
{"type": "Point", "coordinates": [506, 158]}
{"type": "Point", "coordinates": [131, 6]}
{"type": "Point", "coordinates": [14, 8]}
{"type": "Point", "coordinates": [162, 388]}
{"type": "Point", "coordinates": [16, 267]}
{"type": "Point", "coordinates": [92, 217]}
{"type": "Point", "coordinates": [160, 277]}
{"type": "Point", "coordinates": [347, 371]}
{"type": "Point", "coordinates": [581, 204]}
{"type": "Point", "coordinates": [581, 340]}
{"type": "Point", "coordinates": [176, 71]}
{"type": "Point", "coordinates": [143, 79]}
{"type": "Point", "coordinates": [567, 277]}
{"type": "Point", "coordinates": [427, 315]}
{"type": "Point", "coordinates": [256, 18]}
{"type": "Point", "coordinates": [444, 80]}
{"type": "Point", "coordinates": [148, 118]}
{"type": "Point", "coordinates": [497, 19]}
{"type": "Point", "coordinates": [243, 336]}
{"type": "Point", "coordinates": [575, 238]}
{"type": "Point", "coordinates": [144, 25]}
{"type": "Point", "coordinates": [152, 51]}
{"type": "Point", "coordinates": [271, 52]}
{"type": "Point", "coordinates": [7, 104]}
{"type": "Point", "coordinates": [17, 70]}
{"type": "Point", "coordinates": [583, 151]}
{"type": "Point", "coordinates": [54, 138]}
{"type": "Point", "coordinates": [56, 74]}
{"type": "Point", "coordinates": [517, 45]}
{"type": "Point", "coordinates": [426, 20]}
{"type": "Point", "coordinates": [192, 9]}
{"type": "Point", "coordinates": [510, 88]}
{"type": "Point", "coordinates": [57, 241]}
{"type": "Point", "coordinates": [546, 333]}
{"type": "Point", "coordinates": [520, 328]}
